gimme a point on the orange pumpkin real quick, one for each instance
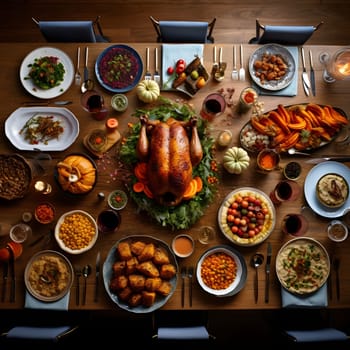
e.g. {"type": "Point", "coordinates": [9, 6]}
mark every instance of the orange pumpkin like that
{"type": "Point", "coordinates": [76, 174]}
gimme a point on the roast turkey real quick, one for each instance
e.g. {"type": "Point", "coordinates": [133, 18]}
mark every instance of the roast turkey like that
{"type": "Point", "coordinates": [171, 149]}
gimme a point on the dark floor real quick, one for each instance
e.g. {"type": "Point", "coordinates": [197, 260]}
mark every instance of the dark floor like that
{"type": "Point", "coordinates": [248, 328]}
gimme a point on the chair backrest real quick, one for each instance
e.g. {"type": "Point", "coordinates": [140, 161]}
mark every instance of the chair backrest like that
{"type": "Point", "coordinates": [173, 326]}
{"type": "Point", "coordinates": [184, 31]}
{"type": "Point", "coordinates": [317, 335]}
{"type": "Point", "coordinates": [281, 34]}
{"type": "Point", "coordinates": [72, 31]}
{"type": "Point", "coordinates": [50, 334]}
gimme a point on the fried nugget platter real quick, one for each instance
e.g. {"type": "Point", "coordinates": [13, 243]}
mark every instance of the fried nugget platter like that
{"type": "Point", "coordinates": [140, 273]}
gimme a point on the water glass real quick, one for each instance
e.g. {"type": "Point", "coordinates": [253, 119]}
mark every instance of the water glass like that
{"type": "Point", "coordinates": [20, 233]}
{"type": "Point", "coordinates": [206, 234]}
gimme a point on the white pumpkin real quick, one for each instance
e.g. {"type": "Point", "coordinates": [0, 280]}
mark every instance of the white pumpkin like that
{"type": "Point", "coordinates": [236, 159]}
{"type": "Point", "coordinates": [147, 91]}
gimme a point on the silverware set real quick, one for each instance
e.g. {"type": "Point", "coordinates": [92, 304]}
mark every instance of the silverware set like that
{"type": "Point", "coordinates": [186, 272]}
{"type": "Point", "coordinates": [308, 83]}
{"type": "Point", "coordinates": [335, 266]}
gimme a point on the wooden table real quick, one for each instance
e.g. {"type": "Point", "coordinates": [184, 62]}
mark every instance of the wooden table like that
{"type": "Point", "coordinates": [12, 97]}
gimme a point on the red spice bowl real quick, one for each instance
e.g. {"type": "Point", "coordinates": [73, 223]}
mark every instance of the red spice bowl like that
{"type": "Point", "coordinates": [44, 213]}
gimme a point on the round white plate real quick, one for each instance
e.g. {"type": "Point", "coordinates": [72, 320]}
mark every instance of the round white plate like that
{"type": "Point", "coordinates": [241, 275]}
{"type": "Point", "coordinates": [278, 50]}
{"type": "Point", "coordinates": [15, 122]}
{"type": "Point", "coordinates": [269, 224]}
{"type": "Point", "coordinates": [310, 188]}
{"type": "Point", "coordinates": [55, 91]}
{"type": "Point", "coordinates": [286, 274]}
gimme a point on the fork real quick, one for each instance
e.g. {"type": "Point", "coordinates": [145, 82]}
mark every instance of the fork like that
{"type": "Point", "coordinates": [156, 75]}
{"type": "Point", "coordinates": [78, 273]}
{"type": "Point", "coordinates": [190, 275]}
{"type": "Point", "coordinates": [77, 72]}
{"type": "Point", "coordinates": [183, 276]}
{"type": "Point", "coordinates": [148, 75]}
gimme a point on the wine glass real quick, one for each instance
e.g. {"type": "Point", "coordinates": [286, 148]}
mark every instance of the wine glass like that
{"type": "Point", "coordinates": [337, 66]}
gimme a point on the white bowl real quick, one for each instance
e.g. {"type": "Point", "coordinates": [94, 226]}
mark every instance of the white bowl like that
{"type": "Point", "coordinates": [72, 250]}
{"type": "Point", "coordinates": [241, 271]}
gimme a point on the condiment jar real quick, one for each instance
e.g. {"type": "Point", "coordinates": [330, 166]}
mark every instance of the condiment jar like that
{"type": "Point", "coordinates": [183, 245]}
{"type": "Point", "coordinates": [268, 160]}
{"type": "Point", "coordinates": [247, 99]}
{"type": "Point", "coordinates": [119, 102]}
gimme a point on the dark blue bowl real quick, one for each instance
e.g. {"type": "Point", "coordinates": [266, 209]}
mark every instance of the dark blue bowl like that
{"type": "Point", "coordinates": [111, 71]}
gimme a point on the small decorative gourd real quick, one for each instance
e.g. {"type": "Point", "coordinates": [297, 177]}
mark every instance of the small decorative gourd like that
{"type": "Point", "coordinates": [236, 159]}
{"type": "Point", "coordinates": [148, 91]}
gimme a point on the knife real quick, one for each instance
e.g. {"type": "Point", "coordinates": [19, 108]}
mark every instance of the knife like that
{"type": "Point", "coordinates": [97, 275]}
{"type": "Point", "coordinates": [13, 275]}
{"type": "Point", "coordinates": [312, 74]}
{"type": "Point", "coordinates": [305, 77]}
{"type": "Point", "coordinates": [4, 280]}
{"type": "Point", "coordinates": [86, 70]}
{"type": "Point", "coordinates": [267, 271]}
{"type": "Point", "coordinates": [327, 158]}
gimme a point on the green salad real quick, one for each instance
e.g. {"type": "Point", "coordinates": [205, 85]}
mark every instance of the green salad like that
{"type": "Point", "coordinates": [46, 72]}
{"type": "Point", "coordinates": [187, 212]}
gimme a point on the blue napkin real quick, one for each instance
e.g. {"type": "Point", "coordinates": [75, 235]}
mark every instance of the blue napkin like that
{"type": "Point", "coordinates": [173, 52]}
{"type": "Point", "coordinates": [318, 299]}
{"type": "Point", "coordinates": [34, 303]}
{"type": "Point", "coordinates": [292, 88]}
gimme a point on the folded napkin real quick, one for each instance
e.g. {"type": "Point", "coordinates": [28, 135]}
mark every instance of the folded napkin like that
{"type": "Point", "coordinates": [173, 52]}
{"type": "Point", "coordinates": [318, 299]}
{"type": "Point", "coordinates": [317, 335]}
{"type": "Point", "coordinates": [199, 332]}
{"type": "Point", "coordinates": [33, 303]}
{"type": "Point", "coordinates": [292, 88]}
{"type": "Point", "coordinates": [43, 333]}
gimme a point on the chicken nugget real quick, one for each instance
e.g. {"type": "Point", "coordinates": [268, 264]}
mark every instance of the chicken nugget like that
{"type": "Point", "coordinates": [137, 247]}
{"type": "Point", "coordinates": [117, 283]}
{"type": "Point", "coordinates": [148, 298]}
{"type": "Point", "coordinates": [137, 282]}
{"type": "Point", "coordinates": [167, 271]}
{"type": "Point", "coordinates": [152, 284]}
{"type": "Point", "coordinates": [147, 253]}
{"type": "Point", "coordinates": [165, 288]}
{"type": "Point", "coordinates": [148, 269]}
{"type": "Point", "coordinates": [124, 251]}
{"type": "Point", "coordinates": [135, 299]}
{"type": "Point", "coordinates": [131, 265]}
{"type": "Point", "coordinates": [118, 268]}
{"type": "Point", "coordinates": [161, 257]}
{"type": "Point", "coordinates": [124, 294]}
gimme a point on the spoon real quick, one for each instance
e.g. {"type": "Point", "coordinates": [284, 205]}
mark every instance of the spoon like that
{"type": "Point", "coordinates": [292, 151]}
{"type": "Point", "coordinates": [256, 260]}
{"type": "Point", "coordinates": [86, 273]}
{"type": "Point", "coordinates": [88, 84]}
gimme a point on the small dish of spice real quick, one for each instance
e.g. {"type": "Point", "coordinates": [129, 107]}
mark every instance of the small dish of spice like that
{"type": "Point", "coordinates": [268, 159]}
{"type": "Point", "coordinates": [292, 170]}
{"type": "Point", "coordinates": [97, 139]}
{"type": "Point", "coordinates": [183, 245]}
{"type": "Point", "coordinates": [44, 213]}
{"type": "Point", "coordinates": [117, 199]}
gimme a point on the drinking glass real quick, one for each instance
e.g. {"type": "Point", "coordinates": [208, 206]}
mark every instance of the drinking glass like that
{"type": "Point", "coordinates": [213, 105]}
{"type": "Point", "coordinates": [295, 224]}
{"type": "Point", "coordinates": [93, 102]}
{"type": "Point", "coordinates": [20, 233]}
{"type": "Point", "coordinates": [108, 221]}
{"type": "Point", "coordinates": [206, 235]}
{"type": "Point", "coordinates": [285, 190]}
{"type": "Point", "coordinates": [337, 66]}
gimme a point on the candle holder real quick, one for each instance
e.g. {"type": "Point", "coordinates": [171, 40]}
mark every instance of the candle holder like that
{"type": "Point", "coordinates": [337, 66]}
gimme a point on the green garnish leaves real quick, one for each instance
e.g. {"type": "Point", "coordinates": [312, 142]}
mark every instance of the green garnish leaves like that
{"type": "Point", "coordinates": [187, 212]}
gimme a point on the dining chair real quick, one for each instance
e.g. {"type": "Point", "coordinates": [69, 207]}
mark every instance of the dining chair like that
{"type": "Point", "coordinates": [283, 34]}
{"type": "Point", "coordinates": [181, 328]}
{"type": "Point", "coordinates": [51, 336]}
{"type": "Point", "coordinates": [72, 31]}
{"type": "Point", "coordinates": [184, 31]}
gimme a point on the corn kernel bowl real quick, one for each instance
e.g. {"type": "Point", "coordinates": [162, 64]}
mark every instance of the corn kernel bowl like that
{"type": "Point", "coordinates": [76, 232]}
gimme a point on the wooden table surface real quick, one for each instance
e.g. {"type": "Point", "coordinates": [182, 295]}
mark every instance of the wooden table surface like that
{"type": "Point", "coordinates": [13, 95]}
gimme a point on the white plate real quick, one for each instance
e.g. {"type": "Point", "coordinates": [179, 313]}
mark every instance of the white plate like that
{"type": "Point", "coordinates": [15, 122]}
{"type": "Point", "coordinates": [269, 222]}
{"type": "Point", "coordinates": [241, 274]}
{"type": "Point", "coordinates": [286, 276]}
{"type": "Point", "coordinates": [52, 255]}
{"type": "Point", "coordinates": [108, 273]}
{"type": "Point", "coordinates": [55, 91]}
{"type": "Point", "coordinates": [310, 188]}
{"type": "Point", "coordinates": [273, 49]}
